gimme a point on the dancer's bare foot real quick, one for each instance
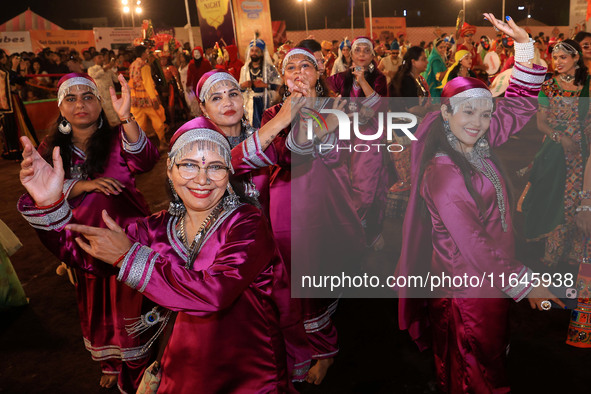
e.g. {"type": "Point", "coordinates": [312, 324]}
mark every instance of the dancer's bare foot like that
{"type": "Point", "coordinates": [318, 371]}
{"type": "Point", "coordinates": [108, 381]}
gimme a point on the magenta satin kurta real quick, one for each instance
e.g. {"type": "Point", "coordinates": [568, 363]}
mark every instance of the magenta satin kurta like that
{"type": "Point", "coordinates": [369, 174]}
{"type": "Point", "coordinates": [103, 302]}
{"type": "Point", "coordinates": [236, 331]}
{"type": "Point", "coordinates": [311, 210]}
{"type": "Point", "coordinates": [469, 333]}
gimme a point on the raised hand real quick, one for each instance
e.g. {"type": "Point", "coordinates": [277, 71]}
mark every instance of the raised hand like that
{"type": "Point", "coordinates": [510, 28]}
{"type": "Point", "coordinates": [121, 105]}
{"type": "Point", "coordinates": [43, 182]}
{"type": "Point", "coordinates": [106, 244]}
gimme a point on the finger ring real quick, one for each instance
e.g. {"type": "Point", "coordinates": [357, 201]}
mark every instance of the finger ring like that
{"type": "Point", "coordinates": [358, 68]}
{"type": "Point", "coordinates": [546, 305]}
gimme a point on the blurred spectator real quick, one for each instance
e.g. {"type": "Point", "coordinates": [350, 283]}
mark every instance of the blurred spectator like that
{"type": "Point", "coordinates": [87, 60]}
{"type": "Point", "coordinates": [74, 63]}
{"type": "Point", "coordinates": [105, 77]}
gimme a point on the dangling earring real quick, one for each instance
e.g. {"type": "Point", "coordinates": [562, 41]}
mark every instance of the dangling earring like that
{"type": "Point", "coordinates": [231, 201]}
{"type": "Point", "coordinates": [286, 92]}
{"type": "Point", "coordinates": [319, 89]}
{"type": "Point", "coordinates": [64, 126]}
{"type": "Point", "coordinates": [100, 124]}
{"type": "Point", "coordinates": [176, 206]}
{"type": "Point", "coordinates": [371, 67]}
{"type": "Point", "coordinates": [577, 67]}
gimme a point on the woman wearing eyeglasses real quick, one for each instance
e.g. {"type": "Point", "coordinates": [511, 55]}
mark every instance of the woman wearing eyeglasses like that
{"type": "Point", "coordinates": [211, 258]}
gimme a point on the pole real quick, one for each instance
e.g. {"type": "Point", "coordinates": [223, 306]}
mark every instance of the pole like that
{"type": "Point", "coordinates": [189, 25]}
{"type": "Point", "coordinates": [306, 16]}
{"type": "Point", "coordinates": [122, 24]}
{"type": "Point", "coordinates": [132, 18]}
{"type": "Point", "coordinates": [370, 22]}
{"type": "Point", "coordinates": [464, 8]}
{"type": "Point", "coordinates": [503, 18]}
{"type": "Point", "coordinates": [363, 3]}
{"type": "Point", "coordinates": [352, 33]}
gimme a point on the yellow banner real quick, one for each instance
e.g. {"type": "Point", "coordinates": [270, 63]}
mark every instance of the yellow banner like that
{"type": "Point", "coordinates": [213, 11]}
{"type": "Point", "coordinates": [61, 39]}
{"type": "Point", "coordinates": [252, 16]}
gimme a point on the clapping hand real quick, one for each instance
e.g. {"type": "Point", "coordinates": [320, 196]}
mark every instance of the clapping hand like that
{"type": "Point", "coordinates": [43, 182]}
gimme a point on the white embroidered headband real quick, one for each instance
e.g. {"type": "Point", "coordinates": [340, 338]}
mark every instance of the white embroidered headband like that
{"type": "Point", "coordinates": [212, 80]}
{"type": "Point", "coordinates": [298, 51]}
{"type": "Point", "coordinates": [361, 41]}
{"type": "Point", "coordinates": [205, 139]}
{"type": "Point", "coordinates": [473, 93]}
{"type": "Point", "coordinates": [65, 87]}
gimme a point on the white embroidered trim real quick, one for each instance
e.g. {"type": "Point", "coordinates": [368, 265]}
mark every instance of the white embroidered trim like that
{"type": "Point", "coordinates": [134, 147]}
{"type": "Point", "coordinates": [213, 79]}
{"type": "Point", "coordinates": [68, 186]}
{"type": "Point", "coordinates": [50, 220]}
{"type": "Point", "coordinates": [64, 87]}
{"type": "Point", "coordinates": [151, 264]}
{"type": "Point", "coordinates": [518, 75]}
{"type": "Point", "coordinates": [518, 292]}
{"type": "Point", "coordinates": [126, 259]}
{"type": "Point", "coordinates": [138, 264]}
{"type": "Point", "coordinates": [298, 51]}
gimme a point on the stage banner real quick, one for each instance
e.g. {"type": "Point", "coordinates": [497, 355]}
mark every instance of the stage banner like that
{"type": "Point", "coordinates": [115, 37]}
{"type": "Point", "coordinates": [15, 41]}
{"type": "Point", "coordinates": [62, 39]}
{"type": "Point", "coordinates": [386, 29]}
{"type": "Point", "coordinates": [215, 22]}
{"type": "Point", "coordinates": [252, 17]}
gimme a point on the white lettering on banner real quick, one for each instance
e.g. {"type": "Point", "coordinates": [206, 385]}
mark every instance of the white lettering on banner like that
{"type": "Point", "coordinates": [345, 125]}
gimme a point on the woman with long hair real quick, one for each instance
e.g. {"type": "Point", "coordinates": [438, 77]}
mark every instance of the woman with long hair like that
{"type": "Point", "coordinates": [312, 214]}
{"type": "Point", "coordinates": [211, 259]}
{"type": "Point", "coordinates": [343, 61]}
{"type": "Point", "coordinates": [458, 224]}
{"type": "Point", "coordinates": [436, 67]}
{"type": "Point", "coordinates": [556, 180]}
{"type": "Point", "coordinates": [100, 163]}
{"type": "Point", "coordinates": [412, 88]}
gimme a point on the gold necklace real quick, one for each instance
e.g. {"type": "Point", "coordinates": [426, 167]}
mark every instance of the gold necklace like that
{"type": "Point", "coordinates": [182, 234]}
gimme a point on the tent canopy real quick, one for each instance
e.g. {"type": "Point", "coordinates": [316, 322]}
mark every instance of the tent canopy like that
{"type": "Point", "coordinates": [28, 20]}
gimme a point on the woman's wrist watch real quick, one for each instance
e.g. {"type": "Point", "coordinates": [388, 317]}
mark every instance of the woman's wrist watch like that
{"type": "Point", "coordinates": [128, 119]}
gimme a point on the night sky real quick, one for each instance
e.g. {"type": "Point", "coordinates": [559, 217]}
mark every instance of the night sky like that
{"type": "Point", "coordinates": [172, 12]}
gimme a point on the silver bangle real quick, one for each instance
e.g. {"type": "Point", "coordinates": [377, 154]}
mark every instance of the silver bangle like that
{"type": "Point", "coordinates": [582, 208]}
{"type": "Point", "coordinates": [524, 52]}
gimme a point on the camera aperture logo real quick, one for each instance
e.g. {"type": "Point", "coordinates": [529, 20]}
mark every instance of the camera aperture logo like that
{"type": "Point", "coordinates": [386, 121]}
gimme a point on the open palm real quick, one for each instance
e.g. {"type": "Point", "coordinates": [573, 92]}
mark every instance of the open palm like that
{"type": "Point", "coordinates": [43, 182]}
{"type": "Point", "coordinates": [121, 105]}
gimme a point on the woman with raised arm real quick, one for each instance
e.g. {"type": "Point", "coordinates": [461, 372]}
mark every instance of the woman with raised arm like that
{"type": "Point", "coordinates": [100, 163]}
{"type": "Point", "coordinates": [211, 259]}
{"type": "Point", "coordinates": [458, 224]}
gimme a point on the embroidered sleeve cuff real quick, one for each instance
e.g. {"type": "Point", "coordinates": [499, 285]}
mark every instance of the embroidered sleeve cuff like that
{"type": "Point", "coordinates": [523, 280]}
{"type": "Point", "coordinates": [300, 371]}
{"type": "Point", "coordinates": [68, 186]}
{"type": "Point", "coordinates": [529, 78]}
{"type": "Point", "coordinates": [372, 100]}
{"type": "Point", "coordinates": [54, 218]}
{"type": "Point", "coordinates": [253, 152]}
{"type": "Point", "coordinates": [292, 145]}
{"type": "Point", "coordinates": [138, 264]}
{"type": "Point", "coordinates": [134, 147]}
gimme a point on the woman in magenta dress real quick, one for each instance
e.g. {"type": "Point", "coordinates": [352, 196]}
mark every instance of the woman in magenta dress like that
{"type": "Point", "coordinates": [369, 176]}
{"type": "Point", "coordinates": [101, 163]}
{"type": "Point", "coordinates": [312, 214]}
{"type": "Point", "coordinates": [467, 229]}
{"type": "Point", "coordinates": [212, 259]}
{"type": "Point", "coordinates": [220, 100]}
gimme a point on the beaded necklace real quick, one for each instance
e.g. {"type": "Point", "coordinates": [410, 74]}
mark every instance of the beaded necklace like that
{"type": "Point", "coordinates": [205, 226]}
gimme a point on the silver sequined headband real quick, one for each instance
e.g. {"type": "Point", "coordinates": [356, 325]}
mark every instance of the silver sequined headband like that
{"type": "Point", "coordinates": [213, 79]}
{"type": "Point", "coordinates": [566, 47]}
{"type": "Point", "coordinates": [474, 93]}
{"type": "Point", "coordinates": [206, 139]}
{"type": "Point", "coordinates": [64, 89]}
{"type": "Point", "coordinates": [298, 51]}
{"type": "Point", "coordinates": [360, 41]}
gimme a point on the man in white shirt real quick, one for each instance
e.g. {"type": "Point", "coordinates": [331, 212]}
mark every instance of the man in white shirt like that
{"type": "Point", "coordinates": [104, 76]}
